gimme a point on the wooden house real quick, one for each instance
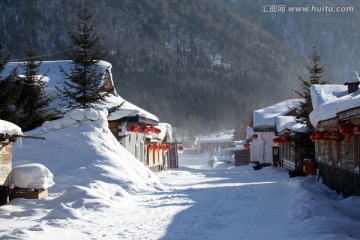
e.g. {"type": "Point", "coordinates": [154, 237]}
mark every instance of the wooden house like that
{"type": "Point", "coordinates": [8, 134]}
{"type": "Point", "coordinates": [214, 143]}
{"type": "Point", "coordinates": [286, 130]}
{"type": "Point", "coordinates": [127, 125]}
{"type": "Point", "coordinates": [264, 129]}
{"type": "Point", "coordinates": [336, 118]}
{"type": "Point", "coordinates": [121, 122]}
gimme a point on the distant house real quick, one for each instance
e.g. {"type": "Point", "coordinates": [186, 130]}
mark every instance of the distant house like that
{"type": "Point", "coordinates": [8, 133]}
{"type": "Point", "coordinates": [264, 129]}
{"type": "Point", "coordinates": [121, 122]}
{"type": "Point", "coordinates": [214, 143]}
{"type": "Point", "coordinates": [336, 118]}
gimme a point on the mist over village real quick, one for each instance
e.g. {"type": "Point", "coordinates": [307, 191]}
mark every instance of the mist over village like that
{"type": "Point", "coordinates": [233, 119]}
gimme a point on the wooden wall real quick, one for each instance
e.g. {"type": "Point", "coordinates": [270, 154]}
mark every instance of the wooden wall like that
{"type": "Point", "coordinates": [5, 161]}
{"type": "Point", "coordinates": [242, 157]}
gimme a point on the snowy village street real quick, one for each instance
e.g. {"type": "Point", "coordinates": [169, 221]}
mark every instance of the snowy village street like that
{"type": "Point", "coordinates": [102, 192]}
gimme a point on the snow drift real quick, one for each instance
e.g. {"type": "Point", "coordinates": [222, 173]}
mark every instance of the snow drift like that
{"type": "Point", "coordinates": [80, 150]}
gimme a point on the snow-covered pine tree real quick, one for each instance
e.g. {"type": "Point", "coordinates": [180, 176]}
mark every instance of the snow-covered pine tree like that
{"type": "Point", "coordinates": [303, 146]}
{"type": "Point", "coordinates": [33, 101]}
{"type": "Point", "coordinates": [10, 91]}
{"type": "Point", "coordinates": [82, 88]}
{"type": "Point", "coordinates": [315, 70]}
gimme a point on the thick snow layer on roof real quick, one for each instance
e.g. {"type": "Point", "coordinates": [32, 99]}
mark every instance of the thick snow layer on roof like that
{"type": "Point", "coordinates": [9, 128]}
{"type": "Point", "coordinates": [328, 100]}
{"type": "Point", "coordinates": [266, 116]}
{"type": "Point", "coordinates": [288, 122]}
{"type": "Point", "coordinates": [353, 78]}
{"type": "Point", "coordinates": [55, 79]}
{"type": "Point", "coordinates": [323, 94]}
{"type": "Point", "coordinates": [31, 176]}
{"type": "Point", "coordinates": [166, 131]}
{"type": "Point", "coordinates": [127, 109]}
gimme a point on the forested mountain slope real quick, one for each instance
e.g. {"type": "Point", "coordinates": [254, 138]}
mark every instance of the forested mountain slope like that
{"type": "Point", "coordinates": [203, 65]}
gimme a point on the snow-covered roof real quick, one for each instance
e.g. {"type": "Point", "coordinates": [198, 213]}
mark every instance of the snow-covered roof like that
{"type": "Point", "coordinates": [328, 100]}
{"type": "Point", "coordinates": [266, 116]}
{"type": "Point", "coordinates": [8, 128]}
{"type": "Point", "coordinates": [166, 131]}
{"type": "Point", "coordinates": [55, 79]}
{"type": "Point", "coordinates": [127, 109]}
{"type": "Point", "coordinates": [289, 123]}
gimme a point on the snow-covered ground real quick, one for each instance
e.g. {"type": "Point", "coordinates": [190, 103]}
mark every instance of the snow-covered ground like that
{"type": "Point", "coordinates": [102, 192]}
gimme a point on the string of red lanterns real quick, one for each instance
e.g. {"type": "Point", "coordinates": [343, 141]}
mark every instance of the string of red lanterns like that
{"type": "Point", "coordinates": [134, 128]}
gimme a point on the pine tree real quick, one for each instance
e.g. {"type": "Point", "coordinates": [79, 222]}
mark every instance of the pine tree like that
{"type": "Point", "coordinates": [33, 101]}
{"type": "Point", "coordinates": [82, 88]}
{"type": "Point", "coordinates": [315, 70]}
{"type": "Point", "coordinates": [10, 91]}
{"type": "Point", "coordinates": [304, 147]}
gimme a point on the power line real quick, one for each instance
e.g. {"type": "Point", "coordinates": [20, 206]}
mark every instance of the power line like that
{"type": "Point", "coordinates": [44, 55]}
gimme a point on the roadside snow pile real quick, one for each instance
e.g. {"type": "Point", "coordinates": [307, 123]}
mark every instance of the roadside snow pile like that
{"type": "Point", "coordinates": [9, 128]}
{"type": "Point", "coordinates": [31, 176]}
{"type": "Point", "coordinates": [80, 149]}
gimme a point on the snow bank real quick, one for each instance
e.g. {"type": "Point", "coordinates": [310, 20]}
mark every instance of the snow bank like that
{"type": "Point", "coordinates": [80, 149]}
{"type": "Point", "coordinates": [63, 212]}
{"type": "Point", "coordinates": [31, 176]}
{"type": "Point", "coordinates": [9, 128]}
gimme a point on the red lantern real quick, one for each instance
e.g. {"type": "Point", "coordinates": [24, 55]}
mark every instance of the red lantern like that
{"type": "Point", "coordinates": [157, 147]}
{"type": "Point", "coordinates": [346, 128]}
{"type": "Point", "coordinates": [286, 138]}
{"type": "Point", "coordinates": [247, 145]}
{"type": "Point", "coordinates": [156, 130]}
{"type": "Point", "coordinates": [313, 136]}
{"type": "Point", "coordinates": [277, 140]}
{"type": "Point", "coordinates": [150, 147]}
{"type": "Point", "coordinates": [336, 136]}
{"type": "Point", "coordinates": [255, 136]}
{"type": "Point", "coordinates": [180, 148]}
{"type": "Point", "coordinates": [134, 128]}
{"type": "Point", "coordinates": [146, 129]}
{"type": "Point", "coordinates": [356, 130]}
{"type": "Point", "coordinates": [327, 135]}
{"type": "Point", "coordinates": [317, 136]}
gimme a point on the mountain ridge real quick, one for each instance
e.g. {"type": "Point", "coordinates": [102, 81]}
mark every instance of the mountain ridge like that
{"type": "Point", "coordinates": [199, 65]}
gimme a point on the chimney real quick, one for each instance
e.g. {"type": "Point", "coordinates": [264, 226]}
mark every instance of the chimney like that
{"type": "Point", "coordinates": [353, 82]}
